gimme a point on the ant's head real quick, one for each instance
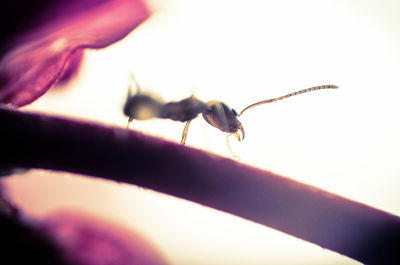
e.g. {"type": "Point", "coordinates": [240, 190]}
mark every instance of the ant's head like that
{"type": "Point", "coordinates": [224, 118]}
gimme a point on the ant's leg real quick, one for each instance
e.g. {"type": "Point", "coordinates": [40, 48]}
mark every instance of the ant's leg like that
{"type": "Point", "coordinates": [185, 132]}
{"type": "Point", "coordinates": [229, 147]}
{"type": "Point", "coordinates": [129, 121]}
{"type": "Point", "coordinates": [137, 86]}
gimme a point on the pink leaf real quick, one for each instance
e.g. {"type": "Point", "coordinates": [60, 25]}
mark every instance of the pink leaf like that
{"type": "Point", "coordinates": [88, 240]}
{"type": "Point", "coordinates": [39, 57]}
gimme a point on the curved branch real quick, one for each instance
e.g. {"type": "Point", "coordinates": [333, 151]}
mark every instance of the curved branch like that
{"type": "Point", "coordinates": [353, 229]}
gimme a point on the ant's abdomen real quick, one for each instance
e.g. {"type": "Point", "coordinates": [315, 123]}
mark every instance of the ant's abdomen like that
{"type": "Point", "coordinates": [142, 107]}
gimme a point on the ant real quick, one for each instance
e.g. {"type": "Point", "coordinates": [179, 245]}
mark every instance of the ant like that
{"type": "Point", "coordinates": [141, 106]}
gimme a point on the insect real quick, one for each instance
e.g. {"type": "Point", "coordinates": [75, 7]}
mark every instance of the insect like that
{"type": "Point", "coordinates": [140, 106]}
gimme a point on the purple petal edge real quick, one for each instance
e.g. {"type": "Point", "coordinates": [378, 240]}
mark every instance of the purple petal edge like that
{"type": "Point", "coordinates": [350, 228]}
{"type": "Point", "coordinates": [68, 237]}
{"type": "Point", "coordinates": [37, 59]}
{"type": "Point", "coordinates": [88, 240]}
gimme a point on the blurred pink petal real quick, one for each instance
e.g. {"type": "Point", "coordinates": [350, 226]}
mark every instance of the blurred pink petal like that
{"type": "Point", "coordinates": [38, 58]}
{"type": "Point", "coordinates": [72, 67]}
{"type": "Point", "coordinates": [87, 240]}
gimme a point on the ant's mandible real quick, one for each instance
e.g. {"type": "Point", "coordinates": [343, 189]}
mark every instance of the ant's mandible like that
{"type": "Point", "coordinates": [141, 106]}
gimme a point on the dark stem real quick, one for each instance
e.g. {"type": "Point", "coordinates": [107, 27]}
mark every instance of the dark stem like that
{"type": "Point", "coordinates": [353, 229]}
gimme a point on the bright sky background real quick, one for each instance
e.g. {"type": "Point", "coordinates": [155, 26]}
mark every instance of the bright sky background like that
{"type": "Point", "coordinates": [345, 141]}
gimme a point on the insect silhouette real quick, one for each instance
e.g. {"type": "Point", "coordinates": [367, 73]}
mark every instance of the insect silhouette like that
{"type": "Point", "coordinates": [140, 106]}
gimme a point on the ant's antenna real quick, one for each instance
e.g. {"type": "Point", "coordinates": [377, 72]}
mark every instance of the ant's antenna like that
{"type": "Point", "coordinates": [289, 95]}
